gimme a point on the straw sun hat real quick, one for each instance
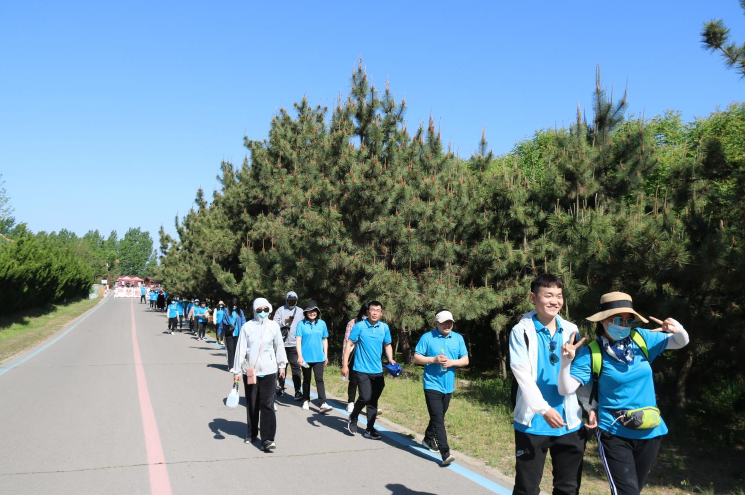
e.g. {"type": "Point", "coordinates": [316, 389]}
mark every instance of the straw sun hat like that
{"type": "Point", "coordinates": [615, 303]}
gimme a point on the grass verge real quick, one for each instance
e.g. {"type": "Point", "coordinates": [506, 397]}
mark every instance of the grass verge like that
{"type": "Point", "coordinates": [479, 424]}
{"type": "Point", "coordinates": [25, 329]}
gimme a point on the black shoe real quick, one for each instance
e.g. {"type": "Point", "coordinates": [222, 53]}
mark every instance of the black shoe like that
{"type": "Point", "coordinates": [280, 392]}
{"type": "Point", "coordinates": [352, 426]}
{"type": "Point", "coordinates": [250, 439]}
{"type": "Point", "coordinates": [298, 396]}
{"type": "Point", "coordinates": [372, 434]}
{"type": "Point", "coordinates": [430, 445]}
{"type": "Point", "coordinates": [268, 445]}
{"type": "Point", "coordinates": [447, 459]}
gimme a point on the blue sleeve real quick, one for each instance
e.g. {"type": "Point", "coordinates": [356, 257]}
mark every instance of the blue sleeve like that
{"type": "Point", "coordinates": [462, 351]}
{"type": "Point", "coordinates": [299, 330]}
{"type": "Point", "coordinates": [582, 366]}
{"type": "Point", "coordinates": [354, 335]}
{"type": "Point", "coordinates": [325, 330]}
{"type": "Point", "coordinates": [656, 342]}
{"type": "Point", "coordinates": [387, 337]}
{"type": "Point", "coordinates": [421, 347]}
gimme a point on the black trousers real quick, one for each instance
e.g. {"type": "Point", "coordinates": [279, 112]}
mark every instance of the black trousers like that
{"type": "Point", "coordinates": [202, 325]}
{"type": "Point", "coordinates": [352, 387]}
{"type": "Point", "coordinates": [566, 456]}
{"type": "Point", "coordinates": [142, 298]}
{"type": "Point", "coordinates": [230, 344]}
{"type": "Point", "coordinates": [627, 462]}
{"type": "Point", "coordinates": [437, 406]}
{"type": "Point", "coordinates": [180, 321]}
{"type": "Point", "coordinates": [260, 407]}
{"type": "Point", "coordinates": [371, 387]}
{"type": "Point", "coordinates": [172, 323]}
{"type": "Point", "coordinates": [317, 369]}
{"type": "Point", "coordinates": [294, 367]}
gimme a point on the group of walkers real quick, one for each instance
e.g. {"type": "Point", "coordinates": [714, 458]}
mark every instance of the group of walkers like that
{"type": "Point", "coordinates": [554, 373]}
{"type": "Point", "coordinates": [612, 379]}
{"type": "Point", "coordinates": [155, 297]}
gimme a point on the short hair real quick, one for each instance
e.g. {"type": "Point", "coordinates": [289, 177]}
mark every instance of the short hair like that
{"type": "Point", "coordinates": [375, 303]}
{"type": "Point", "coordinates": [545, 281]}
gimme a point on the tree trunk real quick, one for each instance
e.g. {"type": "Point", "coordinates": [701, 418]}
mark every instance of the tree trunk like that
{"type": "Point", "coordinates": [501, 357]}
{"type": "Point", "coordinates": [403, 340]}
{"type": "Point", "coordinates": [680, 394]}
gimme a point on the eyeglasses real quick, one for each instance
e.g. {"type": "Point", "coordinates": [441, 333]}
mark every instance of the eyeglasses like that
{"type": "Point", "coordinates": [628, 322]}
{"type": "Point", "coordinates": [263, 310]}
{"type": "Point", "coordinates": [553, 357]}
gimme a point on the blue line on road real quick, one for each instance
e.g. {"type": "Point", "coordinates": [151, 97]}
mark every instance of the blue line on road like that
{"type": "Point", "coordinates": [457, 468]}
{"type": "Point", "coordinates": [54, 340]}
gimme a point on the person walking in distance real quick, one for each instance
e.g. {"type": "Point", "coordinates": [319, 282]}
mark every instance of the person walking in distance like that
{"type": "Point", "coordinates": [172, 316]}
{"type": "Point", "coordinates": [142, 294]}
{"type": "Point", "coordinates": [217, 320]}
{"type": "Point", "coordinates": [201, 314]}
{"type": "Point", "coordinates": [233, 320]}
{"type": "Point", "coordinates": [352, 386]}
{"type": "Point", "coordinates": [369, 337]}
{"type": "Point", "coordinates": [287, 317]}
{"type": "Point", "coordinates": [260, 352]}
{"type": "Point", "coordinates": [312, 350]}
{"type": "Point", "coordinates": [545, 421]}
{"type": "Point", "coordinates": [440, 351]}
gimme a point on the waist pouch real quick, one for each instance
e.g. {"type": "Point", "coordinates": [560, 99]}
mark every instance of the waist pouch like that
{"type": "Point", "coordinates": [643, 418]}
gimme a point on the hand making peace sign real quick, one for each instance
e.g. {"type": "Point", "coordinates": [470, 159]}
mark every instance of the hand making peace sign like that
{"type": "Point", "coordinates": [667, 326]}
{"type": "Point", "coordinates": [569, 349]}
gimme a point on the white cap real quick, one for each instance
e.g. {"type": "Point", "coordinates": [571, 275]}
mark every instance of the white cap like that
{"type": "Point", "coordinates": [444, 316]}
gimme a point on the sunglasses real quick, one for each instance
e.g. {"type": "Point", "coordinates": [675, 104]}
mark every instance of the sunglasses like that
{"type": "Point", "coordinates": [553, 357]}
{"type": "Point", "coordinates": [263, 310]}
{"type": "Point", "coordinates": [627, 322]}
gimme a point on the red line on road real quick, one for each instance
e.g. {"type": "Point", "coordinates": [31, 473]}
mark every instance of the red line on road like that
{"type": "Point", "coordinates": [160, 484]}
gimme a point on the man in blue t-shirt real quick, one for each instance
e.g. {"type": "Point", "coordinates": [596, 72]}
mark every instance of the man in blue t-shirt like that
{"type": "Point", "coordinates": [172, 316]}
{"type": "Point", "coordinates": [440, 351]}
{"type": "Point", "coordinates": [142, 294]}
{"type": "Point", "coordinates": [369, 337]}
{"type": "Point", "coordinates": [545, 421]}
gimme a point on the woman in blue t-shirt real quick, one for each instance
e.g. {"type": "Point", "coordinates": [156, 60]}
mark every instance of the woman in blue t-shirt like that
{"type": "Point", "coordinates": [312, 344]}
{"type": "Point", "coordinates": [630, 428]}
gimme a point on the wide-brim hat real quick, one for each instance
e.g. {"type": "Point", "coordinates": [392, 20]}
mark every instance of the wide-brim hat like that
{"type": "Point", "coordinates": [615, 303]}
{"type": "Point", "coordinates": [312, 306]}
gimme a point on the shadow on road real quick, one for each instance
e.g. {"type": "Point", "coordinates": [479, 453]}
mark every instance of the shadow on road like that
{"type": "Point", "coordinates": [222, 427]}
{"type": "Point", "coordinates": [397, 489]}
{"type": "Point", "coordinates": [223, 367]}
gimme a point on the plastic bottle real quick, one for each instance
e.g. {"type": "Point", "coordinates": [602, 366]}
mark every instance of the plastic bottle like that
{"type": "Point", "coordinates": [305, 364]}
{"type": "Point", "coordinates": [442, 366]}
{"type": "Point", "coordinates": [344, 378]}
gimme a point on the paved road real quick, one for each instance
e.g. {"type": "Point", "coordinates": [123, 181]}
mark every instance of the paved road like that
{"type": "Point", "coordinates": [117, 405]}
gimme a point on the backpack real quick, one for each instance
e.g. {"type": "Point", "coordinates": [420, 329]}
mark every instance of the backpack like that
{"type": "Point", "coordinates": [596, 353]}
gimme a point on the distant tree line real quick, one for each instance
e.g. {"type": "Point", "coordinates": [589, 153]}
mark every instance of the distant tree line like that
{"type": "Point", "coordinates": [40, 268]}
{"type": "Point", "coordinates": [344, 205]}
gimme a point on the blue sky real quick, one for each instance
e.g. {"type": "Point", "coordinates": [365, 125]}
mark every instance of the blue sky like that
{"type": "Point", "coordinates": [112, 114]}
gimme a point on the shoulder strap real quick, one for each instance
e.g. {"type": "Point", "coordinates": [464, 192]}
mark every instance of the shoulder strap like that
{"type": "Point", "coordinates": [597, 359]}
{"type": "Point", "coordinates": [638, 339]}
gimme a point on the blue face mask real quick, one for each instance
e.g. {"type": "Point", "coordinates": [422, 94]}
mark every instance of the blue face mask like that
{"type": "Point", "coordinates": [617, 332]}
{"type": "Point", "coordinates": [263, 314]}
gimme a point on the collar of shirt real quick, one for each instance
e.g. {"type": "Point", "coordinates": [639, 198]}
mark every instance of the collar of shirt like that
{"type": "Point", "coordinates": [540, 328]}
{"type": "Point", "coordinates": [370, 325]}
{"type": "Point", "coordinates": [437, 334]}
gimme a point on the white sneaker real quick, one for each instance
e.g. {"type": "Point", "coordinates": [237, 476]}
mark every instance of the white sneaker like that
{"type": "Point", "coordinates": [306, 405]}
{"type": "Point", "coordinates": [350, 407]}
{"type": "Point", "coordinates": [325, 408]}
{"type": "Point", "coordinates": [275, 407]}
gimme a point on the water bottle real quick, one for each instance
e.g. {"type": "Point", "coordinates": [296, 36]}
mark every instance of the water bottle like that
{"type": "Point", "coordinates": [344, 378]}
{"type": "Point", "coordinates": [305, 364]}
{"type": "Point", "coordinates": [442, 366]}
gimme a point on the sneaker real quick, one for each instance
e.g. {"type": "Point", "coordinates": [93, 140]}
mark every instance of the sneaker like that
{"type": "Point", "coordinates": [250, 439]}
{"type": "Point", "coordinates": [350, 407]}
{"type": "Point", "coordinates": [298, 396]}
{"type": "Point", "coordinates": [325, 408]}
{"type": "Point", "coordinates": [268, 445]}
{"type": "Point", "coordinates": [306, 405]}
{"type": "Point", "coordinates": [352, 426]}
{"type": "Point", "coordinates": [372, 434]}
{"type": "Point", "coordinates": [275, 407]}
{"type": "Point", "coordinates": [430, 445]}
{"type": "Point", "coordinates": [447, 459]}
{"type": "Point", "coordinates": [378, 412]}
{"type": "Point", "coordinates": [280, 392]}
